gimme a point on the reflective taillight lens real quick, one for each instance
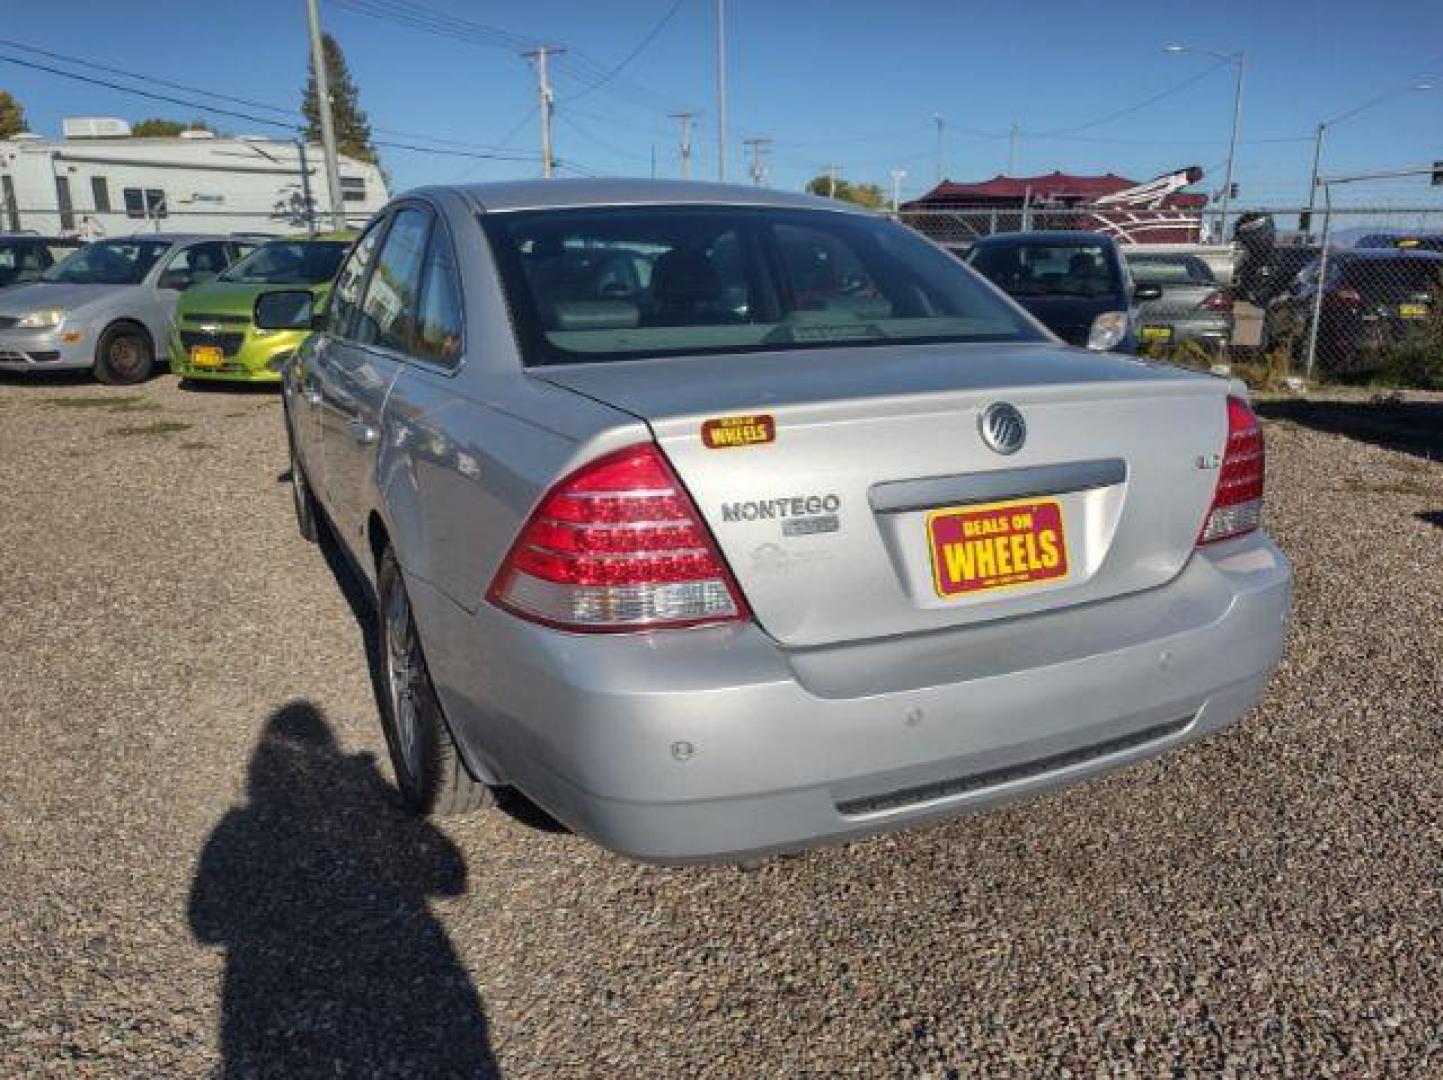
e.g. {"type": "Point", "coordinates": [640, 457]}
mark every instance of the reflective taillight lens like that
{"type": "Point", "coordinates": [1237, 506]}
{"type": "Point", "coordinates": [617, 545]}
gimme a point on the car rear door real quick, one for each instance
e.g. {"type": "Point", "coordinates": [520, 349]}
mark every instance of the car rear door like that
{"type": "Point", "coordinates": [358, 369]}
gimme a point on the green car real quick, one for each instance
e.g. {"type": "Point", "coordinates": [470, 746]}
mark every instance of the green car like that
{"type": "Point", "coordinates": [213, 335]}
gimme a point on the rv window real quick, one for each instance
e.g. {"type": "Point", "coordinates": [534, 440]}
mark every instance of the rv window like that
{"type": "Point", "coordinates": [353, 189]}
{"type": "Point", "coordinates": [100, 190]}
{"type": "Point", "coordinates": [149, 203]}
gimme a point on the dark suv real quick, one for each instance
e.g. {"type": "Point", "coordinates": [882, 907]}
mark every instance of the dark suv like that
{"type": "Point", "coordinates": [1075, 283]}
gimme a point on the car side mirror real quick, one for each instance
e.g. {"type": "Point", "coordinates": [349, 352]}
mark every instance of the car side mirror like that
{"type": "Point", "coordinates": [176, 279]}
{"type": "Point", "coordinates": [287, 309]}
{"type": "Point", "coordinates": [1147, 291]}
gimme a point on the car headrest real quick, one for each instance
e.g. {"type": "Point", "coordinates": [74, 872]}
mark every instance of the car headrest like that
{"type": "Point", "coordinates": [684, 276]}
{"type": "Point", "coordinates": [596, 315]}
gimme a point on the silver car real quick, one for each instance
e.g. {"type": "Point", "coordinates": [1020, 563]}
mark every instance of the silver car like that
{"type": "Point", "coordinates": [721, 521]}
{"type": "Point", "coordinates": [108, 306]}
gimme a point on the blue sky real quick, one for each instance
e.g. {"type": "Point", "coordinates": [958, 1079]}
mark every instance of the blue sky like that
{"type": "Point", "coordinates": [851, 83]}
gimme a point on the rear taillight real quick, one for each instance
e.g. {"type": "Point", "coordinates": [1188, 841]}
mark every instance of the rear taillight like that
{"type": "Point", "coordinates": [617, 545]}
{"type": "Point", "coordinates": [1237, 504]}
{"type": "Point", "coordinates": [1218, 300]}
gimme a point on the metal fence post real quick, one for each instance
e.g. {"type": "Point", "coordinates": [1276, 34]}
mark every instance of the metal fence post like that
{"type": "Point", "coordinates": [1322, 284]}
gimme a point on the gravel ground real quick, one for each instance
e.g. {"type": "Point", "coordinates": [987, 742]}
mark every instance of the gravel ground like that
{"type": "Point", "coordinates": [202, 867]}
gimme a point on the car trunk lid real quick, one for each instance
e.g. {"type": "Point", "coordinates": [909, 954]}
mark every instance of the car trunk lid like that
{"type": "Point", "coordinates": [852, 493]}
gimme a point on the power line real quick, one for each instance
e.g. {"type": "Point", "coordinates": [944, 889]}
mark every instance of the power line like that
{"type": "Point", "coordinates": [1129, 110]}
{"type": "Point", "coordinates": [291, 126]}
{"type": "Point", "coordinates": [283, 110]}
{"type": "Point", "coordinates": [637, 51]}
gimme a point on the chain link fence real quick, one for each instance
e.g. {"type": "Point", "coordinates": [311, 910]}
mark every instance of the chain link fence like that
{"type": "Point", "coordinates": [1341, 293]}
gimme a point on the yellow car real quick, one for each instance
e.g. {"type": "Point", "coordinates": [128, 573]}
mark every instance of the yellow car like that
{"type": "Point", "coordinates": [213, 335]}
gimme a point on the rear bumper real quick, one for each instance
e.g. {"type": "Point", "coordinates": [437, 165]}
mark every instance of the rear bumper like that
{"type": "Point", "coordinates": [1212, 330]}
{"type": "Point", "coordinates": [717, 744]}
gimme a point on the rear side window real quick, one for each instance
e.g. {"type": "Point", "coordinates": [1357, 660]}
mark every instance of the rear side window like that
{"type": "Point", "coordinates": [388, 313]}
{"type": "Point", "coordinates": [638, 282]}
{"type": "Point", "coordinates": [439, 323]}
{"type": "Point", "coordinates": [346, 299]}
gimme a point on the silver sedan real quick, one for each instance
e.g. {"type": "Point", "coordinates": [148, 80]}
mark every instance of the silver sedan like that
{"type": "Point", "coordinates": [720, 521]}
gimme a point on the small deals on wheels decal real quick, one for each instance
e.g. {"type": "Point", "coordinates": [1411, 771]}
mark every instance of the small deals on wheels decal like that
{"type": "Point", "coordinates": [725, 432]}
{"type": "Point", "coordinates": [991, 547]}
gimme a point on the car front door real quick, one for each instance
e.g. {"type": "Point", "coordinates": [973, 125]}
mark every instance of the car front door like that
{"type": "Point", "coordinates": [303, 385]}
{"type": "Point", "coordinates": [359, 368]}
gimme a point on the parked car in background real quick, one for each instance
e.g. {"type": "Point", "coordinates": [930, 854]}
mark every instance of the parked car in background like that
{"type": "Point", "coordinates": [720, 520]}
{"type": "Point", "coordinates": [108, 306]}
{"type": "Point", "coordinates": [1403, 241]}
{"type": "Point", "coordinates": [1075, 283]}
{"type": "Point", "coordinates": [213, 335]}
{"type": "Point", "coordinates": [24, 258]}
{"type": "Point", "coordinates": [1192, 305]}
{"type": "Point", "coordinates": [1372, 301]}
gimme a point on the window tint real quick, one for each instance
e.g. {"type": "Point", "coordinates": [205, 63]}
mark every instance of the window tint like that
{"type": "Point", "coordinates": [388, 313]}
{"type": "Point", "coordinates": [109, 262]}
{"type": "Point", "coordinates": [200, 262]}
{"type": "Point", "coordinates": [346, 297]}
{"type": "Point", "coordinates": [289, 262]}
{"type": "Point", "coordinates": [1044, 269]}
{"type": "Point", "coordinates": [634, 282]}
{"type": "Point", "coordinates": [438, 329]}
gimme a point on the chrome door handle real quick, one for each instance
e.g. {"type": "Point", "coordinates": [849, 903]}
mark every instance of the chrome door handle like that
{"type": "Point", "coordinates": [363, 432]}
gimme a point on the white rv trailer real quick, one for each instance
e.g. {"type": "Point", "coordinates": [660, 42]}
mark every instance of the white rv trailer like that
{"type": "Point", "coordinates": [97, 180]}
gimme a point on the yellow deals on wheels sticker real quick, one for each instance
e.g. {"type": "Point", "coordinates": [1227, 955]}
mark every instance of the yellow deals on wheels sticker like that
{"type": "Point", "coordinates": [725, 432]}
{"type": "Point", "coordinates": [976, 548]}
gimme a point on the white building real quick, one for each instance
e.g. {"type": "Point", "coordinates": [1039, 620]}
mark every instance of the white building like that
{"type": "Point", "coordinates": [97, 180]}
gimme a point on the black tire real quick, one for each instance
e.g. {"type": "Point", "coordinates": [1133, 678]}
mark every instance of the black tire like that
{"type": "Point", "coordinates": [429, 771]}
{"type": "Point", "coordinates": [307, 512]}
{"type": "Point", "coordinates": [124, 356]}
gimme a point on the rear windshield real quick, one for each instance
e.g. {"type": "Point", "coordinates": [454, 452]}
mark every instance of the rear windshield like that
{"type": "Point", "coordinates": [1170, 270]}
{"type": "Point", "coordinates": [289, 262]}
{"type": "Point", "coordinates": [1382, 277]}
{"type": "Point", "coordinates": [618, 283]}
{"type": "Point", "coordinates": [108, 262]}
{"type": "Point", "coordinates": [1048, 269]}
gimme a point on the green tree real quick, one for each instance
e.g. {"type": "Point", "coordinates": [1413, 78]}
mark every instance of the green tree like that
{"type": "Point", "coordinates": [12, 115]}
{"type": "Point", "coordinates": [869, 195]}
{"type": "Point", "coordinates": [353, 129]}
{"type": "Point", "coordinates": [157, 127]}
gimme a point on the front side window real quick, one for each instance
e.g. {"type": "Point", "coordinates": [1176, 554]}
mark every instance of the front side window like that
{"type": "Point", "coordinates": [195, 264]}
{"type": "Point", "coordinates": [289, 262]}
{"type": "Point", "coordinates": [108, 262]}
{"type": "Point", "coordinates": [633, 282]}
{"type": "Point", "coordinates": [1047, 269]}
{"type": "Point", "coordinates": [388, 313]}
{"type": "Point", "coordinates": [19, 261]}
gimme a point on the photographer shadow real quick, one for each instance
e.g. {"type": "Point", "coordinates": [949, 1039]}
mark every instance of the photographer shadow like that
{"type": "Point", "coordinates": [317, 890]}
